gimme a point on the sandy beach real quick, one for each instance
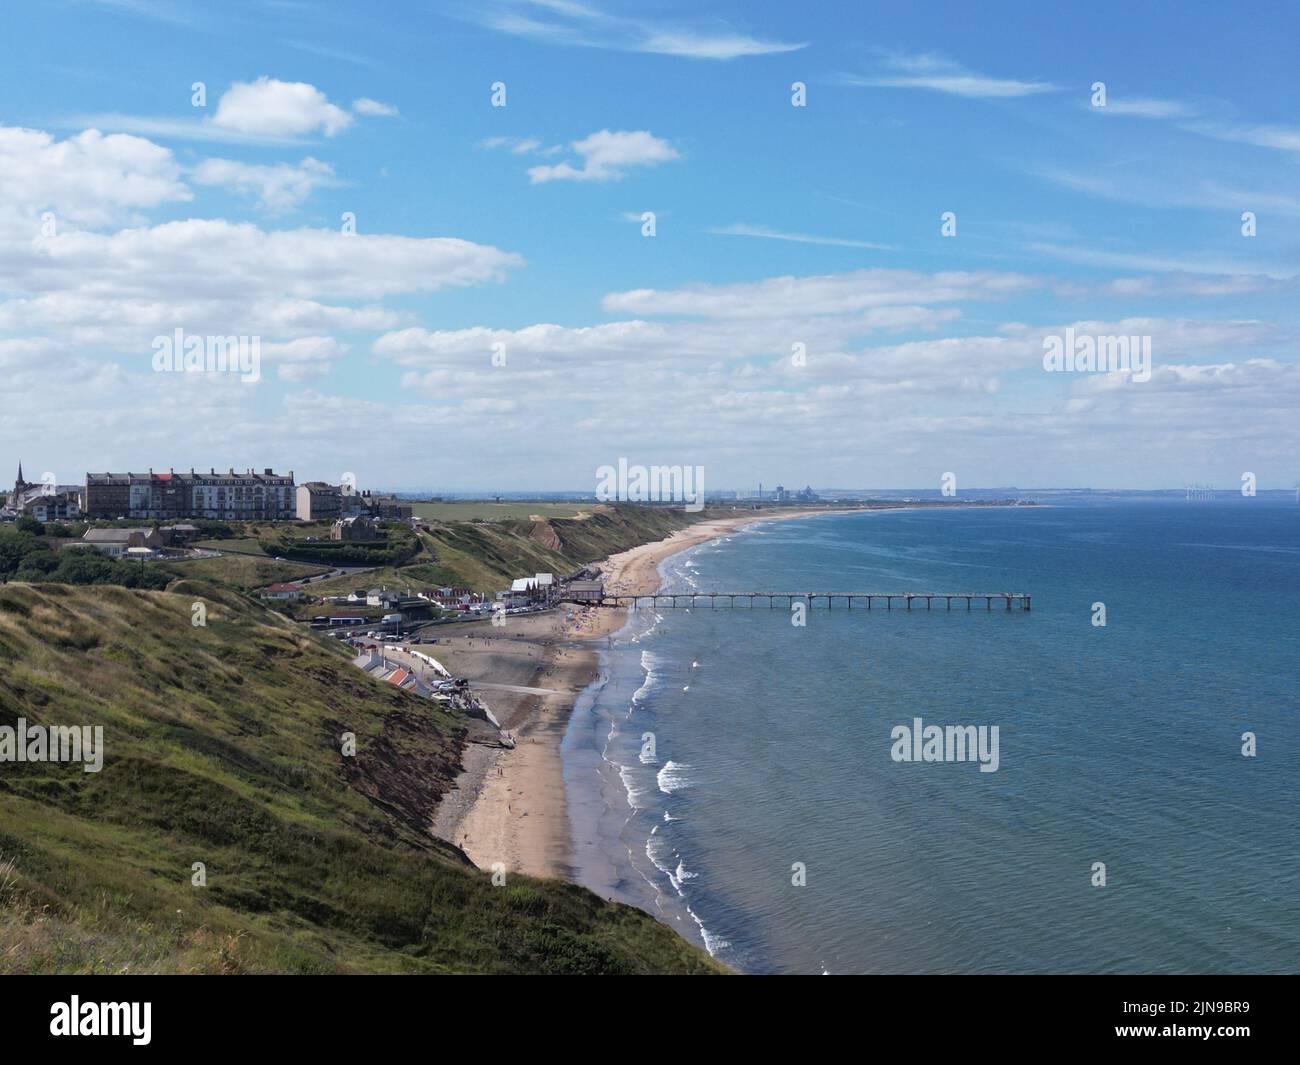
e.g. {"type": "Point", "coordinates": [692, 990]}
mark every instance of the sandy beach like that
{"type": "Point", "coordinates": [508, 806]}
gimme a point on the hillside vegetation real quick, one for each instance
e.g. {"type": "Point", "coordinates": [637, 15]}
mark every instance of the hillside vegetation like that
{"type": "Point", "coordinates": [487, 555]}
{"type": "Point", "coordinates": [223, 746]}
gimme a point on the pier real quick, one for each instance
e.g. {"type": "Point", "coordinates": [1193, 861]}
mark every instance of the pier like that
{"type": "Point", "coordinates": [770, 600]}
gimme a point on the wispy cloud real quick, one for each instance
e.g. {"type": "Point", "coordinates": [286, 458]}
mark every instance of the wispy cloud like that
{"type": "Point", "coordinates": [1282, 138]}
{"type": "Point", "coordinates": [168, 11]}
{"type": "Point", "coordinates": [373, 108]}
{"type": "Point", "coordinates": [1181, 263]}
{"type": "Point", "coordinates": [740, 229]}
{"type": "Point", "coordinates": [174, 128]}
{"type": "Point", "coordinates": [937, 74]}
{"type": "Point", "coordinates": [1172, 192]}
{"type": "Point", "coordinates": [1145, 107]}
{"type": "Point", "coordinates": [567, 23]}
{"type": "Point", "coordinates": [521, 145]}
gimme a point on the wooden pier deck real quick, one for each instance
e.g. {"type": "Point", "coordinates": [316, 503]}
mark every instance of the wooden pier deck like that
{"type": "Point", "coordinates": [770, 600]}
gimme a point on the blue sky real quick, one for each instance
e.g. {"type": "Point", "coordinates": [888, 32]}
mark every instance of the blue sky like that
{"type": "Point", "coordinates": [775, 225]}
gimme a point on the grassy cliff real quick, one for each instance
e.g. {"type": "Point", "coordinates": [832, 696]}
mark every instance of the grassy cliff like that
{"type": "Point", "coordinates": [487, 555]}
{"type": "Point", "coordinates": [223, 746]}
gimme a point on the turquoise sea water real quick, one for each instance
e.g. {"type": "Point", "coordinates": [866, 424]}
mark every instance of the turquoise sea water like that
{"type": "Point", "coordinates": [1119, 744]}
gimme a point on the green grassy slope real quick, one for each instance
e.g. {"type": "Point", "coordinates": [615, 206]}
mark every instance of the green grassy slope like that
{"type": "Point", "coordinates": [223, 747]}
{"type": "Point", "coordinates": [487, 555]}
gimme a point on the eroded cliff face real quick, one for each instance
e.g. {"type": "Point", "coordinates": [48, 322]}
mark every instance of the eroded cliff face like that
{"type": "Point", "coordinates": [545, 535]}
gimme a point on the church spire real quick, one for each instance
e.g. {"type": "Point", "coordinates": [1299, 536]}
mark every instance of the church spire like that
{"type": "Point", "coordinates": [20, 472]}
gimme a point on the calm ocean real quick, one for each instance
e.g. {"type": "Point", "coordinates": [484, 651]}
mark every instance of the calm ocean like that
{"type": "Point", "coordinates": [1119, 744]}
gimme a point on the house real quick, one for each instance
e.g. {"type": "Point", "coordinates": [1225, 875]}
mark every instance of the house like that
{"type": "Point", "coordinates": [318, 501]}
{"type": "Point", "coordinates": [285, 592]}
{"type": "Point", "coordinates": [538, 588]}
{"type": "Point", "coordinates": [117, 542]}
{"type": "Point", "coordinates": [355, 528]}
{"type": "Point", "coordinates": [179, 534]}
{"type": "Point", "coordinates": [585, 591]}
{"type": "Point", "coordinates": [384, 508]}
{"type": "Point", "coordinates": [44, 500]}
{"type": "Point", "coordinates": [452, 597]}
{"type": "Point", "coordinates": [54, 506]}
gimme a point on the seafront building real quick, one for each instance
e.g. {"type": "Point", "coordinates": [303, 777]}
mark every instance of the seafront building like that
{"type": "Point", "coordinates": [230, 496]}
{"type": "Point", "coordinates": [172, 497]}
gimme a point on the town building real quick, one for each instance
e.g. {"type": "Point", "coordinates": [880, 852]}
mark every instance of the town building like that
{"type": "Point", "coordinates": [118, 542]}
{"type": "Point", "coordinates": [784, 495]}
{"type": "Point", "coordinates": [283, 592]}
{"type": "Point", "coordinates": [318, 501]}
{"type": "Point", "coordinates": [585, 591]}
{"type": "Point", "coordinates": [181, 534]}
{"type": "Point", "coordinates": [58, 506]}
{"type": "Point", "coordinates": [357, 528]}
{"type": "Point", "coordinates": [385, 508]}
{"type": "Point", "coordinates": [43, 501]}
{"type": "Point", "coordinates": [231, 496]}
{"type": "Point", "coordinates": [528, 591]}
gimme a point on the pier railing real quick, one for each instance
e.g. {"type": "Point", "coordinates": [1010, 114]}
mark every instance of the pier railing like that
{"type": "Point", "coordinates": [753, 600]}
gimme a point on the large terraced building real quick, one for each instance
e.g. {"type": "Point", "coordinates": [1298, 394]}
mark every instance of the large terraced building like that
{"type": "Point", "coordinates": [247, 496]}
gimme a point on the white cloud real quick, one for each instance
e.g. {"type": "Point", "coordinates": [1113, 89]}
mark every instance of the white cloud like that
{"type": "Point", "coordinates": [212, 276]}
{"type": "Point", "coordinates": [566, 22]}
{"type": "Point", "coordinates": [740, 229]}
{"type": "Point", "coordinates": [937, 74]}
{"type": "Point", "coordinates": [1281, 138]}
{"type": "Point", "coordinates": [607, 155]}
{"type": "Point", "coordinates": [278, 187]}
{"type": "Point", "coordinates": [90, 178]}
{"type": "Point", "coordinates": [269, 107]}
{"type": "Point", "coordinates": [1185, 262]}
{"type": "Point", "coordinates": [303, 358]}
{"type": "Point", "coordinates": [367, 106]}
{"type": "Point", "coordinates": [824, 294]}
{"type": "Point", "coordinates": [173, 128]}
{"type": "Point", "coordinates": [519, 145]}
{"type": "Point", "coordinates": [1141, 107]}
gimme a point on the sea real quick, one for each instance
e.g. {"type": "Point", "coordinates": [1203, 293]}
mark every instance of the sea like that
{"type": "Point", "coordinates": [738, 775]}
